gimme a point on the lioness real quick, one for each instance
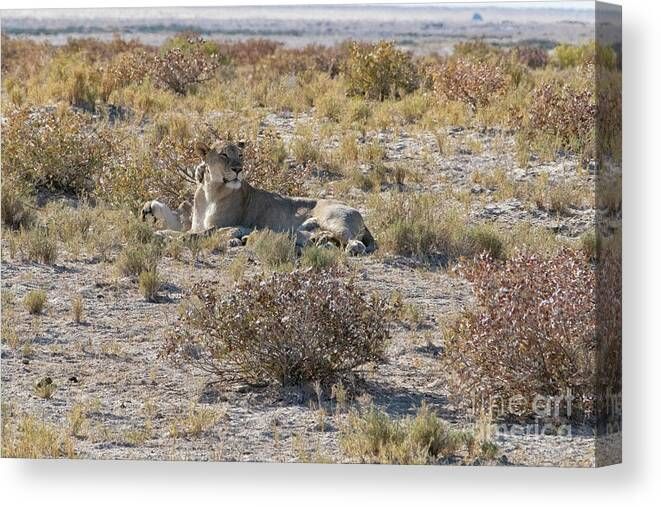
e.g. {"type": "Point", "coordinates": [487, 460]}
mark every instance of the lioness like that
{"type": "Point", "coordinates": [223, 199]}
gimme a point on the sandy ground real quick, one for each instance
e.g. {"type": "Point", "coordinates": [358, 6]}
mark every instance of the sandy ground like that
{"type": "Point", "coordinates": [135, 399]}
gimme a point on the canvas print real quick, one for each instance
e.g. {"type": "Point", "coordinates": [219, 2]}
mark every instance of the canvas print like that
{"type": "Point", "coordinates": [384, 234]}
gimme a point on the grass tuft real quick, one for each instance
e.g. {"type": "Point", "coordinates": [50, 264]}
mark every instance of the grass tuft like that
{"type": "Point", "coordinates": [35, 301]}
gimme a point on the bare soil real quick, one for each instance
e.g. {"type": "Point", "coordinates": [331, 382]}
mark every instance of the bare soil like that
{"type": "Point", "coordinates": [111, 360]}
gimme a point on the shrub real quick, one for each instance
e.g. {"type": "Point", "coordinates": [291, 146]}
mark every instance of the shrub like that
{"type": "Point", "coordinates": [379, 71]}
{"type": "Point", "coordinates": [185, 63]}
{"type": "Point", "coordinates": [34, 301]}
{"type": "Point", "coordinates": [77, 307]}
{"type": "Point", "coordinates": [100, 51]}
{"type": "Point", "coordinates": [470, 81]}
{"type": "Point", "coordinates": [532, 333]}
{"type": "Point", "coordinates": [23, 58]}
{"type": "Point", "coordinates": [54, 149]}
{"type": "Point", "coordinates": [15, 213]}
{"type": "Point", "coordinates": [373, 437]}
{"type": "Point", "coordinates": [563, 111]}
{"type": "Point", "coordinates": [134, 259]}
{"type": "Point", "coordinates": [37, 244]}
{"type": "Point", "coordinates": [266, 166]}
{"type": "Point", "coordinates": [249, 51]}
{"type": "Point", "coordinates": [319, 258]}
{"type": "Point", "coordinates": [295, 62]}
{"type": "Point", "coordinates": [569, 55]}
{"type": "Point", "coordinates": [149, 282]}
{"type": "Point", "coordinates": [422, 225]}
{"type": "Point", "coordinates": [274, 250]}
{"type": "Point", "coordinates": [477, 50]}
{"type": "Point", "coordinates": [124, 69]}
{"type": "Point", "coordinates": [532, 57]}
{"type": "Point", "coordinates": [288, 329]}
{"type": "Point", "coordinates": [160, 167]}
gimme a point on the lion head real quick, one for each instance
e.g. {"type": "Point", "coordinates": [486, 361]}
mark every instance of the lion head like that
{"type": "Point", "coordinates": [222, 163]}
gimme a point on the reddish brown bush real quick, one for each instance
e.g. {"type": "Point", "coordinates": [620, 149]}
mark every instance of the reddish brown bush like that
{"type": "Point", "coordinates": [470, 81]}
{"type": "Point", "coordinates": [533, 332]}
{"type": "Point", "coordinates": [532, 57]}
{"type": "Point", "coordinates": [559, 109]}
{"type": "Point", "coordinates": [23, 58]}
{"type": "Point", "coordinates": [250, 51]}
{"type": "Point", "coordinates": [54, 149]}
{"type": "Point", "coordinates": [96, 50]}
{"type": "Point", "coordinates": [288, 329]}
{"type": "Point", "coordinates": [124, 69]}
{"type": "Point", "coordinates": [180, 68]}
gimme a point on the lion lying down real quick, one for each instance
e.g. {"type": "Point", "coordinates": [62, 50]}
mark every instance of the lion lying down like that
{"type": "Point", "coordinates": [223, 200]}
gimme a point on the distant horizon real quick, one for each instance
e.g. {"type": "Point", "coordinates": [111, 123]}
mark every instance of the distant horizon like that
{"type": "Point", "coordinates": [574, 5]}
{"type": "Point", "coordinates": [419, 27]}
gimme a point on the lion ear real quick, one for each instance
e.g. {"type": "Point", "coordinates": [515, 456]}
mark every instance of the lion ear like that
{"type": "Point", "coordinates": [202, 149]}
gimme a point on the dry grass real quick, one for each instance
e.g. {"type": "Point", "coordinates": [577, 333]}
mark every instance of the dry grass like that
{"type": "Point", "coordinates": [36, 244]}
{"type": "Point", "coordinates": [374, 437]}
{"type": "Point", "coordinates": [137, 258]}
{"type": "Point", "coordinates": [25, 436]}
{"type": "Point", "coordinates": [197, 421]}
{"type": "Point", "coordinates": [275, 251]}
{"type": "Point", "coordinates": [428, 226]}
{"type": "Point", "coordinates": [320, 257]}
{"type": "Point", "coordinates": [149, 283]}
{"type": "Point", "coordinates": [35, 301]}
{"type": "Point", "coordinates": [77, 309]}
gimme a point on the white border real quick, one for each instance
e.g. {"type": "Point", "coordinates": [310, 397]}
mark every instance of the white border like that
{"type": "Point", "coordinates": [51, 483]}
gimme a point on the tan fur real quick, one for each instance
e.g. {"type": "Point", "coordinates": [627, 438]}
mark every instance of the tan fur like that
{"type": "Point", "coordinates": [224, 200]}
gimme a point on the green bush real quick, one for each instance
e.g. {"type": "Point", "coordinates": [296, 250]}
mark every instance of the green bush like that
{"type": "Point", "coordinates": [137, 258]}
{"type": "Point", "coordinates": [319, 258]}
{"type": "Point", "coordinates": [379, 71]}
{"type": "Point", "coordinates": [274, 250]}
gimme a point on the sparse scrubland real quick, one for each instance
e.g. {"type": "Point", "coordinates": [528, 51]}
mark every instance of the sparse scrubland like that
{"type": "Point", "coordinates": [476, 174]}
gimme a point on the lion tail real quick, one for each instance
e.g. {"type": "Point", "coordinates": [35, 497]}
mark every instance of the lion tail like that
{"type": "Point", "coordinates": [369, 241]}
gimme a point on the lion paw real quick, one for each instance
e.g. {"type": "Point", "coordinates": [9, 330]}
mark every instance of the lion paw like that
{"type": "Point", "coordinates": [355, 247]}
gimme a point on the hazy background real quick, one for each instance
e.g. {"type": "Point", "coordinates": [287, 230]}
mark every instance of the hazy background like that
{"type": "Point", "coordinates": [418, 27]}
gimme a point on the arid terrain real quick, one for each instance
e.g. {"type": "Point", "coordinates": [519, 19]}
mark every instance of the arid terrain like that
{"type": "Point", "coordinates": [462, 158]}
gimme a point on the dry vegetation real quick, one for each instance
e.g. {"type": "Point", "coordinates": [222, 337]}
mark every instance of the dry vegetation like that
{"type": "Point", "coordinates": [289, 329]}
{"type": "Point", "coordinates": [483, 160]}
